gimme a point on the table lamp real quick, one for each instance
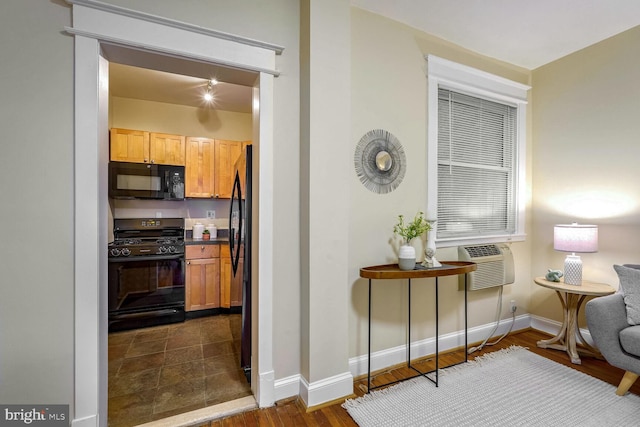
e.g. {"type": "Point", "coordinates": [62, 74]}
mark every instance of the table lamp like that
{"type": "Point", "coordinates": [574, 238]}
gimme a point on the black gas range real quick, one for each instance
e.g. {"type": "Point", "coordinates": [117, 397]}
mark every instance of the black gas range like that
{"type": "Point", "coordinates": [146, 272]}
{"type": "Point", "coordinates": [136, 237]}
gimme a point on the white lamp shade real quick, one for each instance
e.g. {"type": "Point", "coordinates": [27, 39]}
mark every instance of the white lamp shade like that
{"type": "Point", "coordinates": [575, 238]}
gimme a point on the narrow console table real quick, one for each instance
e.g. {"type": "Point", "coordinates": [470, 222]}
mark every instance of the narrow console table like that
{"type": "Point", "coordinates": [392, 271]}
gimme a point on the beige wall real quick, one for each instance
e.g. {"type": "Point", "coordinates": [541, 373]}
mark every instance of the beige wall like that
{"type": "Point", "coordinates": [179, 119]}
{"type": "Point", "coordinates": [389, 91]}
{"type": "Point", "coordinates": [585, 160]}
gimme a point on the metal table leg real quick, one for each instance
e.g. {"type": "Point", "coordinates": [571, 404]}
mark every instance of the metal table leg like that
{"type": "Point", "coordinates": [369, 347]}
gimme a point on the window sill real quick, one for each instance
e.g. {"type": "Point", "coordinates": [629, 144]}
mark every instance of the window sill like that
{"type": "Point", "coordinates": [451, 242]}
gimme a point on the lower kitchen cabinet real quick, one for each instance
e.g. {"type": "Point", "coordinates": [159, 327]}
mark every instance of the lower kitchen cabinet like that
{"type": "Point", "coordinates": [230, 287]}
{"type": "Point", "coordinates": [202, 287]}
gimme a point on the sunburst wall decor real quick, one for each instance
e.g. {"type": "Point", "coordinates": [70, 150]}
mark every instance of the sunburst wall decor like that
{"type": "Point", "coordinates": [380, 161]}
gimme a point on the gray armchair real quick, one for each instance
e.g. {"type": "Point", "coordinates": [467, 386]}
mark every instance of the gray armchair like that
{"type": "Point", "coordinates": [618, 341]}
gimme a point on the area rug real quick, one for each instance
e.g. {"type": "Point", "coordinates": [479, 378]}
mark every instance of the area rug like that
{"type": "Point", "coordinates": [509, 387]}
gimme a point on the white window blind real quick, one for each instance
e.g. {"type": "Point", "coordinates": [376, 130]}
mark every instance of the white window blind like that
{"type": "Point", "coordinates": [476, 166]}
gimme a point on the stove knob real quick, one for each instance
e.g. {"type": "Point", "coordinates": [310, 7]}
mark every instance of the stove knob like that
{"type": "Point", "coordinates": [163, 249]}
{"type": "Point", "coordinates": [126, 252]}
{"type": "Point", "coordinates": [115, 252]}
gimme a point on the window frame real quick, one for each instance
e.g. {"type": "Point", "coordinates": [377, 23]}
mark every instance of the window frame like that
{"type": "Point", "coordinates": [470, 81]}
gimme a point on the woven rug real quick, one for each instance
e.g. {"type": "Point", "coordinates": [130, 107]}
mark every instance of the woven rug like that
{"type": "Point", "coordinates": [510, 387]}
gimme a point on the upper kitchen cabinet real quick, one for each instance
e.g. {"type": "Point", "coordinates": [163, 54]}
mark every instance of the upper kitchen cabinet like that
{"type": "Point", "coordinates": [166, 149]}
{"type": "Point", "coordinates": [209, 167]}
{"type": "Point", "coordinates": [227, 152]}
{"type": "Point", "coordinates": [200, 169]}
{"type": "Point", "coordinates": [147, 147]}
{"type": "Point", "coordinates": [129, 146]}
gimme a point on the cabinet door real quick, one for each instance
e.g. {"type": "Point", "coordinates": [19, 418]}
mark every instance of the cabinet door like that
{"type": "Point", "coordinates": [166, 149]}
{"type": "Point", "coordinates": [200, 168]}
{"type": "Point", "coordinates": [129, 145]}
{"type": "Point", "coordinates": [202, 284]}
{"type": "Point", "coordinates": [227, 153]}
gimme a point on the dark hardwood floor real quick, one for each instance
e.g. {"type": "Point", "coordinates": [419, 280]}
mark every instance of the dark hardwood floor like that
{"type": "Point", "coordinates": [292, 413]}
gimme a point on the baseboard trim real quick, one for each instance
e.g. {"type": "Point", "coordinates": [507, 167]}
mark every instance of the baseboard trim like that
{"type": "Point", "coordinates": [326, 390]}
{"type": "Point", "coordinates": [287, 387]}
{"type": "Point", "coordinates": [393, 356]}
{"type": "Point", "coordinates": [91, 421]}
{"type": "Point", "coordinates": [329, 389]}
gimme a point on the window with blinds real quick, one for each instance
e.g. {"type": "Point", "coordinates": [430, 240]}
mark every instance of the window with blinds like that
{"type": "Point", "coordinates": [477, 147]}
{"type": "Point", "coordinates": [475, 154]}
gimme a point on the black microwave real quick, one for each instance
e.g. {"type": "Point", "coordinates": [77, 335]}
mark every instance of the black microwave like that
{"type": "Point", "coordinates": [145, 181]}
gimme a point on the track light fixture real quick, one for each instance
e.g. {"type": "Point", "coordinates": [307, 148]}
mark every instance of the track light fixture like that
{"type": "Point", "coordinates": [208, 95]}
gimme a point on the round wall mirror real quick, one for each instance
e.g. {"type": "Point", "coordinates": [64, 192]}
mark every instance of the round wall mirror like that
{"type": "Point", "coordinates": [384, 161]}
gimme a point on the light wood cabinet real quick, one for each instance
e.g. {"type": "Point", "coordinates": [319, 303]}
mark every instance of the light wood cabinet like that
{"type": "Point", "coordinates": [200, 168]}
{"type": "Point", "coordinates": [230, 287]}
{"type": "Point", "coordinates": [210, 166]}
{"type": "Point", "coordinates": [136, 146]}
{"type": "Point", "coordinates": [167, 149]}
{"type": "Point", "coordinates": [227, 153]}
{"type": "Point", "coordinates": [202, 290]}
{"type": "Point", "coordinates": [128, 145]}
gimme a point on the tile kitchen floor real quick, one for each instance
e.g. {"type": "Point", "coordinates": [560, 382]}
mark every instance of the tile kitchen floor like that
{"type": "Point", "coordinates": [166, 370]}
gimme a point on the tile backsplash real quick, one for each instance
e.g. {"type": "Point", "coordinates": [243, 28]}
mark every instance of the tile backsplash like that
{"type": "Point", "coordinates": [220, 223]}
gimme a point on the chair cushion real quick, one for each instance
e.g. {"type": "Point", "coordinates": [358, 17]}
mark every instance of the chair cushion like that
{"type": "Point", "coordinates": [630, 287]}
{"type": "Point", "coordinates": [630, 340]}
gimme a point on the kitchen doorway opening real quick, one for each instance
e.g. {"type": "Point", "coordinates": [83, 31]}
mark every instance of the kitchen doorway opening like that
{"type": "Point", "coordinates": [160, 371]}
{"type": "Point", "coordinates": [168, 370]}
{"type": "Point", "coordinates": [96, 30]}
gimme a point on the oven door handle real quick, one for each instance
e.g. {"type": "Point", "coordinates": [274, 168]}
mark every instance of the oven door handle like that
{"type": "Point", "coordinates": [146, 258]}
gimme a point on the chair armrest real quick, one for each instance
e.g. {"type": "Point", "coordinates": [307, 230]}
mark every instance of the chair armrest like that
{"type": "Point", "coordinates": [606, 317]}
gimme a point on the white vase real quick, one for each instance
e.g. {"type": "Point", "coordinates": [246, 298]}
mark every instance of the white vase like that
{"type": "Point", "coordinates": [407, 257]}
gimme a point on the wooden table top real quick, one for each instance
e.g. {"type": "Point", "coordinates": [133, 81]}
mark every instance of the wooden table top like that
{"type": "Point", "coordinates": [392, 271]}
{"type": "Point", "coordinates": [587, 288]}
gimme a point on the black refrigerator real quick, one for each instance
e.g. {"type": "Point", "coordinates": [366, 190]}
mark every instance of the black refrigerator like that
{"type": "Point", "coordinates": [240, 243]}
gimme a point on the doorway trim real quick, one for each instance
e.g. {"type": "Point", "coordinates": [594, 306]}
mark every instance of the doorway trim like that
{"type": "Point", "coordinates": [95, 24]}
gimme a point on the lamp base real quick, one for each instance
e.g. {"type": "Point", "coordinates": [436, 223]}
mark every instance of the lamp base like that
{"type": "Point", "coordinates": [573, 270]}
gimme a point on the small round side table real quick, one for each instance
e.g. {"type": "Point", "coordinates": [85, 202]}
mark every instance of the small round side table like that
{"type": "Point", "coordinates": [571, 298]}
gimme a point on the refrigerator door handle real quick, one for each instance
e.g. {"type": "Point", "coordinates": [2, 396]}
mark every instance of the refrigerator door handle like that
{"type": "Point", "coordinates": [235, 237]}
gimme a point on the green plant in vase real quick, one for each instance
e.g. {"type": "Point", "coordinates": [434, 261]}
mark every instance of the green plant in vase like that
{"type": "Point", "coordinates": [409, 231]}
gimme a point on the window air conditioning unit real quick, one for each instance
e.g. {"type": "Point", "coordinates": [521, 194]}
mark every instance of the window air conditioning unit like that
{"type": "Point", "coordinates": [495, 266]}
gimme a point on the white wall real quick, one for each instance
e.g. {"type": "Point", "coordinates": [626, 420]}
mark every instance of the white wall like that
{"type": "Point", "coordinates": [586, 150]}
{"type": "Point", "coordinates": [36, 167]}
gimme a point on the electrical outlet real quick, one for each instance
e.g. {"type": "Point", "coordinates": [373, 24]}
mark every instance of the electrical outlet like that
{"type": "Point", "coordinates": [211, 214]}
{"type": "Point", "coordinates": [514, 307]}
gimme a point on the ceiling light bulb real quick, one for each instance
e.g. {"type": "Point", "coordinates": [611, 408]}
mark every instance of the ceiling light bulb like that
{"type": "Point", "coordinates": [208, 96]}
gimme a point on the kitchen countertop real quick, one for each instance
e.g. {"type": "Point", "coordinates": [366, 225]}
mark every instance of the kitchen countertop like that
{"type": "Point", "coordinates": [217, 241]}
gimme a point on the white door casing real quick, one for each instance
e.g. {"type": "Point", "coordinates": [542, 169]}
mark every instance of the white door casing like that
{"type": "Point", "coordinates": [97, 24]}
